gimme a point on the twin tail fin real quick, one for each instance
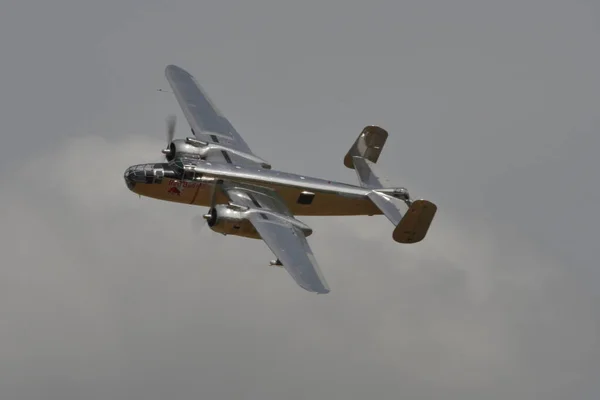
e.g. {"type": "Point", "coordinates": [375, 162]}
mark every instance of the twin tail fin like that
{"type": "Point", "coordinates": [411, 219]}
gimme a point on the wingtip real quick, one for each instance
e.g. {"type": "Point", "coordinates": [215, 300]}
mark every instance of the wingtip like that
{"type": "Point", "coordinates": [321, 290]}
{"type": "Point", "coordinates": [325, 289]}
{"type": "Point", "coordinates": [174, 69]}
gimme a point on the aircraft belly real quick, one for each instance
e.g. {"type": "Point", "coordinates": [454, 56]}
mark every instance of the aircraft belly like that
{"type": "Point", "coordinates": [327, 204]}
{"type": "Point", "coordinates": [198, 193]}
{"type": "Point", "coordinates": [170, 190]}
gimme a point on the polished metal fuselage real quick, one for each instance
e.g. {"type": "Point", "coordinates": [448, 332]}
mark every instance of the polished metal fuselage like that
{"type": "Point", "coordinates": [193, 184]}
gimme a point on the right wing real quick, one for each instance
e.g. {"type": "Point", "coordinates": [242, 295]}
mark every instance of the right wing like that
{"type": "Point", "coordinates": [281, 232]}
{"type": "Point", "coordinates": [206, 121]}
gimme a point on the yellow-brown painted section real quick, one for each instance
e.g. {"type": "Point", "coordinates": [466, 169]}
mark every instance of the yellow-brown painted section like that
{"type": "Point", "coordinates": [197, 193]}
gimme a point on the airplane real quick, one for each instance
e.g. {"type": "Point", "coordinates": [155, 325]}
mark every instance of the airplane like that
{"type": "Point", "coordinates": [246, 197]}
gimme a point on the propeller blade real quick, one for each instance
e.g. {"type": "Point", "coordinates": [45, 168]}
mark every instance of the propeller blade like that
{"type": "Point", "coordinates": [213, 195]}
{"type": "Point", "coordinates": [171, 120]}
{"type": "Point", "coordinates": [198, 224]}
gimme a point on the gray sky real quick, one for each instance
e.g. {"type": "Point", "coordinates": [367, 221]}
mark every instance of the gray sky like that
{"type": "Point", "coordinates": [492, 109]}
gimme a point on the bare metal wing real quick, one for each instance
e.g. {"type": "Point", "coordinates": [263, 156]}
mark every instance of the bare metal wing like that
{"type": "Point", "coordinates": [208, 124]}
{"type": "Point", "coordinates": [282, 233]}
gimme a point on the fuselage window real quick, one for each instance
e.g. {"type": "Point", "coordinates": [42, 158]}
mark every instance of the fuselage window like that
{"type": "Point", "coordinates": [306, 198]}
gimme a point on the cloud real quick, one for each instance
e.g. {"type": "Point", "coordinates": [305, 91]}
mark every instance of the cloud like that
{"type": "Point", "coordinates": [103, 294]}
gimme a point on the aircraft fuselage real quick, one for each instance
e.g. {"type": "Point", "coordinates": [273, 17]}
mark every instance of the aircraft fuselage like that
{"type": "Point", "coordinates": [303, 195]}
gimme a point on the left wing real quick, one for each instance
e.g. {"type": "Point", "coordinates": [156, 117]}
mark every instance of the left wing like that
{"type": "Point", "coordinates": [208, 124]}
{"type": "Point", "coordinates": [282, 233]}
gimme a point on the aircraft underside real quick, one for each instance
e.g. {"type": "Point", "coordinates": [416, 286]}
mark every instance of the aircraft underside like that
{"type": "Point", "coordinates": [300, 200]}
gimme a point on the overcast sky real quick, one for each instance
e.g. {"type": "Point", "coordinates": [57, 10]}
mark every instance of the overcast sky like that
{"type": "Point", "coordinates": [493, 114]}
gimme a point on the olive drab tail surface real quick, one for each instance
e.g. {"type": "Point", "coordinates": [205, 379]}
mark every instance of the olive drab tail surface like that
{"type": "Point", "coordinates": [412, 219]}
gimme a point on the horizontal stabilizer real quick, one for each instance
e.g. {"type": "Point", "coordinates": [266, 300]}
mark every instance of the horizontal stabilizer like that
{"type": "Point", "coordinates": [412, 223]}
{"type": "Point", "coordinates": [391, 207]}
{"type": "Point", "coordinates": [368, 176]}
{"type": "Point", "coordinates": [411, 218]}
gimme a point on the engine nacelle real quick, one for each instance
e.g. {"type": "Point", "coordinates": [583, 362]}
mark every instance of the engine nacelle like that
{"type": "Point", "coordinates": [188, 148]}
{"type": "Point", "coordinates": [227, 221]}
{"type": "Point", "coordinates": [196, 149]}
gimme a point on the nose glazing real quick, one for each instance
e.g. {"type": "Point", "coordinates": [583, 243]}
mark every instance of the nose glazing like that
{"type": "Point", "coordinates": [129, 180]}
{"type": "Point", "coordinates": [143, 173]}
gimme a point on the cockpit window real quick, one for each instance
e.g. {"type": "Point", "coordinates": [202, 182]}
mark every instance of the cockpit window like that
{"type": "Point", "coordinates": [176, 164]}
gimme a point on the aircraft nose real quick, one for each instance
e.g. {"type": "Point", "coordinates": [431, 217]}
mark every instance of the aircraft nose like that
{"type": "Point", "coordinates": [144, 174]}
{"type": "Point", "coordinates": [129, 177]}
{"type": "Point", "coordinates": [137, 174]}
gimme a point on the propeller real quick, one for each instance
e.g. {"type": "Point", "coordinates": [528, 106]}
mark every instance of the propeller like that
{"type": "Point", "coordinates": [198, 224]}
{"type": "Point", "coordinates": [168, 151]}
{"type": "Point", "coordinates": [171, 121]}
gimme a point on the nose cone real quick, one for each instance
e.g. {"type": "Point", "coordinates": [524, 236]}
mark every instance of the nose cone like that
{"type": "Point", "coordinates": [129, 179]}
{"type": "Point", "coordinates": [141, 178]}
{"type": "Point", "coordinates": [138, 174]}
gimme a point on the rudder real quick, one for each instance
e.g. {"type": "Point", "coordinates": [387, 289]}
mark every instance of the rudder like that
{"type": "Point", "coordinates": [368, 145]}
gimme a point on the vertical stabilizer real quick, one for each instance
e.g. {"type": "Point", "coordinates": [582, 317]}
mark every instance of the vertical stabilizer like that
{"type": "Point", "coordinates": [363, 156]}
{"type": "Point", "coordinates": [368, 145]}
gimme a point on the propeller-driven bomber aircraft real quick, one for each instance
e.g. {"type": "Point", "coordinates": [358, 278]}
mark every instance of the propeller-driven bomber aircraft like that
{"type": "Point", "coordinates": [215, 168]}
